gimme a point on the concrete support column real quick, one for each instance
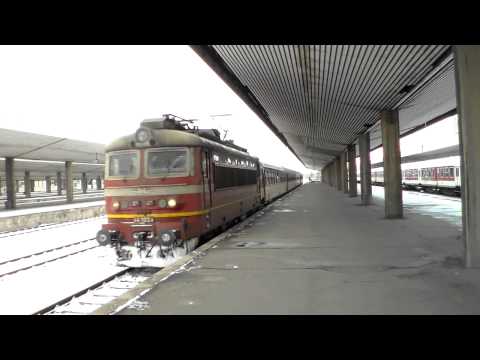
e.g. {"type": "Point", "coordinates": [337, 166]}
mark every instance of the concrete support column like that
{"type": "Point", "coordinates": [467, 78]}
{"type": "Point", "coordinates": [84, 182]}
{"type": "Point", "coordinates": [365, 168]}
{"type": "Point", "coordinates": [48, 184]}
{"type": "Point", "coordinates": [17, 185]}
{"type": "Point", "coordinates": [352, 171]}
{"type": "Point", "coordinates": [343, 172]}
{"type": "Point", "coordinates": [99, 183]}
{"type": "Point", "coordinates": [69, 181]}
{"type": "Point", "coordinates": [334, 174]}
{"type": "Point", "coordinates": [11, 202]}
{"type": "Point", "coordinates": [392, 174]}
{"type": "Point", "coordinates": [59, 183]}
{"type": "Point", "coordinates": [338, 171]}
{"type": "Point", "coordinates": [330, 174]}
{"type": "Point", "coordinates": [32, 185]}
{"type": "Point", "coordinates": [26, 184]}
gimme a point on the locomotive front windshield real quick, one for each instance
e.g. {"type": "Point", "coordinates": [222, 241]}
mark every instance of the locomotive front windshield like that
{"type": "Point", "coordinates": [162, 162]}
{"type": "Point", "coordinates": [124, 164]}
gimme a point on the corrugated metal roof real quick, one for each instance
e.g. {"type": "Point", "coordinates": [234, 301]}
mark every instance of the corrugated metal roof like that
{"type": "Point", "coordinates": [319, 98]}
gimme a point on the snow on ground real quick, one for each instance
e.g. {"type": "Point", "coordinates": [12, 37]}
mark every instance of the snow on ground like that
{"type": "Point", "coordinates": [32, 290]}
{"type": "Point", "coordinates": [437, 206]}
{"type": "Point", "coordinates": [22, 243]}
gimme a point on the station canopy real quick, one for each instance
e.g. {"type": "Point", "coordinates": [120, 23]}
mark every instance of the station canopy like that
{"type": "Point", "coordinates": [318, 99]}
{"type": "Point", "coordinates": [53, 151]}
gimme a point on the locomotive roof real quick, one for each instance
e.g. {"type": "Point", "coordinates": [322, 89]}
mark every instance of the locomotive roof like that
{"type": "Point", "coordinates": [172, 138]}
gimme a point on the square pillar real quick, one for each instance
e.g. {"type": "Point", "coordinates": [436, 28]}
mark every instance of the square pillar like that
{"type": "Point", "coordinates": [84, 183]}
{"type": "Point", "coordinates": [365, 168]}
{"type": "Point", "coordinates": [338, 172]}
{"type": "Point", "coordinates": [467, 80]}
{"type": "Point", "coordinates": [27, 184]}
{"type": "Point", "coordinates": [343, 171]}
{"type": "Point", "coordinates": [69, 181]}
{"type": "Point", "coordinates": [48, 184]}
{"type": "Point", "coordinates": [330, 174]}
{"type": "Point", "coordinates": [352, 171]}
{"type": "Point", "coordinates": [392, 174]}
{"type": "Point", "coordinates": [11, 202]}
{"type": "Point", "coordinates": [59, 183]}
{"type": "Point", "coordinates": [99, 183]}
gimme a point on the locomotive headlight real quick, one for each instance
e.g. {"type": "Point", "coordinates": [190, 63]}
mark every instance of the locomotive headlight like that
{"type": "Point", "coordinates": [166, 237]}
{"type": "Point", "coordinates": [162, 203]}
{"type": "Point", "coordinates": [142, 135]}
{"type": "Point", "coordinates": [172, 203]}
{"type": "Point", "coordinates": [116, 205]}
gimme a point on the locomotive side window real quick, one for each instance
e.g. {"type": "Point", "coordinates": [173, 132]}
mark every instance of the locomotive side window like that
{"type": "Point", "coordinates": [123, 164]}
{"type": "Point", "coordinates": [233, 172]}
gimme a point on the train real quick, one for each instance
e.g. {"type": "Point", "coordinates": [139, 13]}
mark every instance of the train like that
{"type": "Point", "coordinates": [442, 175]}
{"type": "Point", "coordinates": [170, 184]}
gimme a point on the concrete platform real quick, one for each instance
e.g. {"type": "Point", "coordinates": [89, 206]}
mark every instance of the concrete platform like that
{"type": "Point", "coordinates": [317, 251]}
{"type": "Point", "coordinates": [18, 219]}
{"type": "Point", "coordinates": [40, 199]}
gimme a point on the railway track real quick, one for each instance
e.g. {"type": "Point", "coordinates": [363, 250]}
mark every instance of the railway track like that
{"type": "Point", "coordinates": [86, 301]}
{"type": "Point", "coordinates": [15, 265]}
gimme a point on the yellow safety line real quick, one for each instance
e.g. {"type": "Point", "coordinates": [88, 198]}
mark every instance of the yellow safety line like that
{"type": "Point", "coordinates": [166, 215]}
{"type": "Point", "coordinates": [170, 215]}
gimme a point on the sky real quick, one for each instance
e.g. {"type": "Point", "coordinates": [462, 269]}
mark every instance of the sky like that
{"type": "Point", "coordinates": [99, 93]}
{"type": "Point", "coordinates": [439, 135]}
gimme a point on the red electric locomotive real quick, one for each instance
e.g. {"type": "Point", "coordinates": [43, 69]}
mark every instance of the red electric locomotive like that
{"type": "Point", "coordinates": [169, 184]}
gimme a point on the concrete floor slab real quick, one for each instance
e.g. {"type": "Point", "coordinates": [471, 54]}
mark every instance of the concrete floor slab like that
{"type": "Point", "coordinates": [315, 252]}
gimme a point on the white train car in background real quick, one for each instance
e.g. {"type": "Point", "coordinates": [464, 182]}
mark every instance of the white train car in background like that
{"type": "Point", "coordinates": [437, 175]}
{"type": "Point", "coordinates": [441, 175]}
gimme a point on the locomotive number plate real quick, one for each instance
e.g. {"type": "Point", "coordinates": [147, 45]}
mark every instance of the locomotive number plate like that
{"type": "Point", "coordinates": [143, 220]}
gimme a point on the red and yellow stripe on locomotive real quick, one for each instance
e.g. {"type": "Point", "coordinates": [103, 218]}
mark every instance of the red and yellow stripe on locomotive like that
{"type": "Point", "coordinates": [167, 185]}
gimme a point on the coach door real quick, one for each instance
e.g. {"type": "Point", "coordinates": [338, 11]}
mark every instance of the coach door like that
{"type": "Point", "coordinates": [262, 181]}
{"type": "Point", "coordinates": [207, 179]}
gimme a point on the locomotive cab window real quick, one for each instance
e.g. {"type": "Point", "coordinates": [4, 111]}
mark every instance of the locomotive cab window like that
{"type": "Point", "coordinates": [123, 164]}
{"type": "Point", "coordinates": [170, 162]}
